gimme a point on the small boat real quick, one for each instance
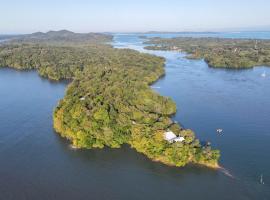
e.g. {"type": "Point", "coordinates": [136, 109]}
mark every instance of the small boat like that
{"type": "Point", "coordinates": [219, 130]}
{"type": "Point", "coordinates": [263, 74]}
{"type": "Point", "coordinates": [261, 180]}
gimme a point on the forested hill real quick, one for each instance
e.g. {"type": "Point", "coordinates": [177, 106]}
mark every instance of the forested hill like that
{"type": "Point", "coordinates": [63, 37]}
{"type": "Point", "coordinates": [219, 52]}
{"type": "Point", "coordinates": [109, 101]}
{"type": "Point", "coordinates": [55, 54]}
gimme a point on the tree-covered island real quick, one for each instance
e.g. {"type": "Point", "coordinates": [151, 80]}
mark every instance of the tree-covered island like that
{"type": "Point", "coordinates": [109, 101]}
{"type": "Point", "coordinates": [218, 52]}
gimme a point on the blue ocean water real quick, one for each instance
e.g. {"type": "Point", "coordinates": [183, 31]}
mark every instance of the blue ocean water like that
{"type": "Point", "coordinates": [238, 101]}
{"type": "Point", "coordinates": [245, 34]}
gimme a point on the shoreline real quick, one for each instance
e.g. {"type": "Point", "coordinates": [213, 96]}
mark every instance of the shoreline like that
{"type": "Point", "coordinates": [189, 57]}
{"type": "Point", "coordinates": [230, 53]}
{"type": "Point", "coordinates": [169, 154]}
{"type": "Point", "coordinates": [215, 166]}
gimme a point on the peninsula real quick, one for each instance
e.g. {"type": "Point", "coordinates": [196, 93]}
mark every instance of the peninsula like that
{"type": "Point", "coordinates": [218, 52]}
{"type": "Point", "coordinates": [109, 101]}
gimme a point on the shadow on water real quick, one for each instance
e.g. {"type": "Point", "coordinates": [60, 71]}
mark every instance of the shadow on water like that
{"type": "Point", "coordinates": [126, 158]}
{"type": "Point", "coordinates": [125, 155]}
{"type": "Point", "coordinates": [128, 165]}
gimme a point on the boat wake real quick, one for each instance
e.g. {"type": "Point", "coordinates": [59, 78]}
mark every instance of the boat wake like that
{"type": "Point", "coordinates": [72, 147]}
{"type": "Point", "coordinates": [227, 173]}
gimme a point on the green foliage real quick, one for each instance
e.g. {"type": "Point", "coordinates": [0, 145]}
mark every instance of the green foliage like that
{"type": "Point", "coordinates": [109, 101]}
{"type": "Point", "coordinates": [217, 52]}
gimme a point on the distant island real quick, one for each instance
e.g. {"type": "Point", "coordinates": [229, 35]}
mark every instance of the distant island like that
{"type": "Point", "coordinates": [218, 52]}
{"type": "Point", "coordinates": [109, 101]}
{"type": "Point", "coordinates": [180, 32]}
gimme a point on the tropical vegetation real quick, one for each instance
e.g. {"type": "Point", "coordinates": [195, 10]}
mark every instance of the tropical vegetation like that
{"type": "Point", "coordinates": [219, 52]}
{"type": "Point", "coordinates": [108, 102]}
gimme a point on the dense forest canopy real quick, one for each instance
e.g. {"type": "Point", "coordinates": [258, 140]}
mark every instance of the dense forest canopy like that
{"type": "Point", "coordinates": [109, 101]}
{"type": "Point", "coordinates": [219, 52]}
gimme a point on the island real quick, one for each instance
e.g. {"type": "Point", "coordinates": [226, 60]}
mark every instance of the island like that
{"type": "Point", "coordinates": [108, 101]}
{"type": "Point", "coordinates": [218, 52]}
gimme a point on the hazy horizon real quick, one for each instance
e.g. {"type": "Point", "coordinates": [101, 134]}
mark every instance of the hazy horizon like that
{"type": "Point", "coordinates": [150, 31]}
{"type": "Point", "coordinates": [134, 16]}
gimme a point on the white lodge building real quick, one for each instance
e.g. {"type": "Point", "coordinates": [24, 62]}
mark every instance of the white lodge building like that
{"type": "Point", "coordinates": [171, 137]}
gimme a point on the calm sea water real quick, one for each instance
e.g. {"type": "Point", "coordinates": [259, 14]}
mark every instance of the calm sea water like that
{"type": "Point", "coordinates": [35, 163]}
{"type": "Point", "coordinates": [246, 34]}
{"type": "Point", "coordinates": [238, 101]}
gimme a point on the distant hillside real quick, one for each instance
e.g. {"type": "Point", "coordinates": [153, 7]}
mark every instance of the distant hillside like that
{"type": "Point", "coordinates": [64, 36]}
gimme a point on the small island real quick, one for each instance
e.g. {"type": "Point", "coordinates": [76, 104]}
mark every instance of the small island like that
{"type": "Point", "coordinates": [109, 101]}
{"type": "Point", "coordinates": [218, 52]}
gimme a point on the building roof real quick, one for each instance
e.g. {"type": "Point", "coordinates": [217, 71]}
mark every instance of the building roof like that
{"type": "Point", "coordinates": [179, 139]}
{"type": "Point", "coordinates": [169, 135]}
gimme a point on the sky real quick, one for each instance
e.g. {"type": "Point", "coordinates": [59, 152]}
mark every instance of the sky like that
{"type": "Point", "coordinates": [27, 16]}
